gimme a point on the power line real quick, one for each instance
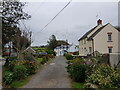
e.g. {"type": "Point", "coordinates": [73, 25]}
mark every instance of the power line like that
{"type": "Point", "coordinates": [37, 8]}
{"type": "Point", "coordinates": [24, 24]}
{"type": "Point", "coordinates": [55, 16]}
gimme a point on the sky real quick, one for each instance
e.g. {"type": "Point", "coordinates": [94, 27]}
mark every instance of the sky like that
{"type": "Point", "coordinates": [73, 22]}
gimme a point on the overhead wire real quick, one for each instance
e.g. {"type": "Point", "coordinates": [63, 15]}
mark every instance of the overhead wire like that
{"type": "Point", "coordinates": [55, 15]}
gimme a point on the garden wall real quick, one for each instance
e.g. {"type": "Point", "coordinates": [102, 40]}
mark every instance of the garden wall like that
{"type": "Point", "coordinates": [114, 59]}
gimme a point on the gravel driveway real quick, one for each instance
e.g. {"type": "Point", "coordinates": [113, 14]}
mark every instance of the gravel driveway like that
{"type": "Point", "coordinates": [53, 75]}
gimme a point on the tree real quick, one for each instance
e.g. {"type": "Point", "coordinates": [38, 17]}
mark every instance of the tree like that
{"type": "Point", "coordinates": [52, 43]}
{"type": "Point", "coordinates": [12, 14]}
{"type": "Point", "coordinates": [21, 42]}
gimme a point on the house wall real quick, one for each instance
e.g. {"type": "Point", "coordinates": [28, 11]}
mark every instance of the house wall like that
{"type": "Point", "coordinates": [101, 43]}
{"type": "Point", "coordinates": [114, 59]}
{"type": "Point", "coordinates": [84, 47]}
{"type": "Point", "coordinates": [101, 40]}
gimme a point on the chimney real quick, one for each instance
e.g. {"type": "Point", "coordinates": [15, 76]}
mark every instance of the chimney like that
{"type": "Point", "coordinates": [99, 22]}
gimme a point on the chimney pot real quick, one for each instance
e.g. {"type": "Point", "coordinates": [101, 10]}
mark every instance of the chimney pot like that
{"type": "Point", "coordinates": [99, 22]}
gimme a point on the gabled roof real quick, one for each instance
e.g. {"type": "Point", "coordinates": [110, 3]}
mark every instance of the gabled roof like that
{"type": "Point", "coordinates": [62, 42]}
{"type": "Point", "coordinates": [85, 35]}
{"type": "Point", "coordinates": [97, 31]}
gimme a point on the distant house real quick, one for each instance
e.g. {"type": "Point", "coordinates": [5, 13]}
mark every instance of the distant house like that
{"type": "Point", "coordinates": [62, 48]}
{"type": "Point", "coordinates": [101, 38]}
{"type": "Point", "coordinates": [9, 52]}
{"type": "Point", "coordinates": [29, 50]}
{"type": "Point", "coordinates": [73, 48]}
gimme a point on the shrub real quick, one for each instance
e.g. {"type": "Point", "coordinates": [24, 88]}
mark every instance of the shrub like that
{"type": "Point", "coordinates": [31, 67]}
{"type": "Point", "coordinates": [68, 57]}
{"type": "Point", "coordinates": [12, 64]}
{"type": "Point", "coordinates": [39, 60]}
{"type": "Point", "coordinates": [44, 60]}
{"type": "Point", "coordinates": [20, 72]}
{"type": "Point", "coordinates": [51, 52]}
{"type": "Point", "coordinates": [7, 77]}
{"type": "Point", "coordinates": [105, 77]}
{"type": "Point", "coordinates": [77, 70]}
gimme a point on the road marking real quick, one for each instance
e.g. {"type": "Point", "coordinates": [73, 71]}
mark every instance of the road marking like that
{"type": "Point", "coordinates": [52, 63]}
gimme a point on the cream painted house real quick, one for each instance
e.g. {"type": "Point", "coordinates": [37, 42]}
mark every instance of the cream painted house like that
{"type": "Point", "coordinates": [101, 38]}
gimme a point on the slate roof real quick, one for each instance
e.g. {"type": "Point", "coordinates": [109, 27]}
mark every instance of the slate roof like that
{"type": "Point", "coordinates": [94, 34]}
{"type": "Point", "coordinates": [97, 31]}
{"type": "Point", "coordinates": [85, 35]}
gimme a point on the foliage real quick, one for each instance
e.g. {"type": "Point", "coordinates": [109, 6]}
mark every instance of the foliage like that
{"type": "Point", "coordinates": [11, 64]}
{"type": "Point", "coordinates": [31, 67]}
{"type": "Point", "coordinates": [77, 85]}
{"type": "Point", "coordinates": [19, 83]}
{"type": "Point", "coordinates": [7, 77]}
{"type": "Point", "coordinates": [105, 77]}
{"type": "Point", "coordinates": [20, 72]}
{"type": "Point", "coordinates": [12, 14]}
{"type": "Point", "coordinates": [77, 69]}
{"type": "Point", "coordinates": [39, 60]}
{"type": "Point", "coordinates": [52, 43]}
{"type": "Point", "coordinates": [51, 52]}
{"type": "Point", "coordinates": [29, 57]}
{"type": "Point", "coordinates": [21, 43]}
{"type": "Point", "coordinates": [68, 57]}
{"type": "Point", "coordinates": [38, 49]}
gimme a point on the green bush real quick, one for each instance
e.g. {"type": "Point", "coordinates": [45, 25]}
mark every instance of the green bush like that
{"type": "Point", "coordinates": [31, 67]}
{"type": "Point", "coordinates": [20, 72]}
{"type": "Point", "coordinates": [39, 60]}
{"type": "Point", "coordinates": [51, 52]}
{"type": "Point", "coordinates": [7, 77]}
{"type": "Point", "coordinates": [77, 70]}
{"type": "Point", "coordinates": [44, 60]}
{"type": "Point", "coordinates": [105, 77]}
{"type": "Point", "coordinates": [12, 64]}
{"type": "Point", "coordinates": [68, 57]}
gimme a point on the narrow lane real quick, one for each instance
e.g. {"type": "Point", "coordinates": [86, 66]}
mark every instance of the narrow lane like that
{"type": "Point", "coordinates": [53, 75]}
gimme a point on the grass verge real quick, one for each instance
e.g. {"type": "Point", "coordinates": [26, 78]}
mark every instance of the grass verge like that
{"type": "Point", "coordinates": [77, 84]}
{"type": "Point", "coordinates": [17, 84]}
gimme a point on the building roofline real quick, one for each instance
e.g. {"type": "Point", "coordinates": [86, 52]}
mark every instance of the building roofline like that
{"type": "Point", "coordinates": [87, 33]}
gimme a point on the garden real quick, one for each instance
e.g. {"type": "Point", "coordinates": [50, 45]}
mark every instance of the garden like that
{"type": "Point", "coordinates": [92, 72]}
{"type": "Point", "coordinates": [17, 72]}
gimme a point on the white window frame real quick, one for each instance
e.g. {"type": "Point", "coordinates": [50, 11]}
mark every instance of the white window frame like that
{"type": "Point", "coordinates": [109, 37]}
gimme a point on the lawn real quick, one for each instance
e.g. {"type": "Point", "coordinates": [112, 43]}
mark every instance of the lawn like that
{"type": "Point", "coordinates": [39, 49]}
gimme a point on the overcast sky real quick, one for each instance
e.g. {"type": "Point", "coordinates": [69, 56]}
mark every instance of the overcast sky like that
{"type": "Point", "coordinates": [75, 20]}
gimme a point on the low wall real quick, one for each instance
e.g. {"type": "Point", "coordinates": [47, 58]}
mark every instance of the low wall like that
{"type": "Point", "coordinates": [114, 59]}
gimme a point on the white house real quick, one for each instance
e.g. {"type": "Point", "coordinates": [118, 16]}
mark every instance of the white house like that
{"type": "Point", "coordinates": [101, 38]}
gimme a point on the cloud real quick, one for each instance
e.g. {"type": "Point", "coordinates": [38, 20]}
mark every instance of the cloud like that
{"type": "Point", "coordinates": [71, 23]}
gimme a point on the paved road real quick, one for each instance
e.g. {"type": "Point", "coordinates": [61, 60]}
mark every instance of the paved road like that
{"type": "Point", "coordinates": [53, 75]}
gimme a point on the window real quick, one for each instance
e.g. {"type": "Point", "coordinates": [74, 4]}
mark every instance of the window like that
{"type": "Point", "coordinates": [109, 37]}
{"type": "Point", "coordinates": [84, 41]}
{"type": "Point", "coordinates": [90, 50]}
{"type": "Point", "coordinates": [110, 49]}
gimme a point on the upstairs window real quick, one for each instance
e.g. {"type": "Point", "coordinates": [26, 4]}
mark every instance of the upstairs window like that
{"type": "Point", "coordinates": [109, 37]}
